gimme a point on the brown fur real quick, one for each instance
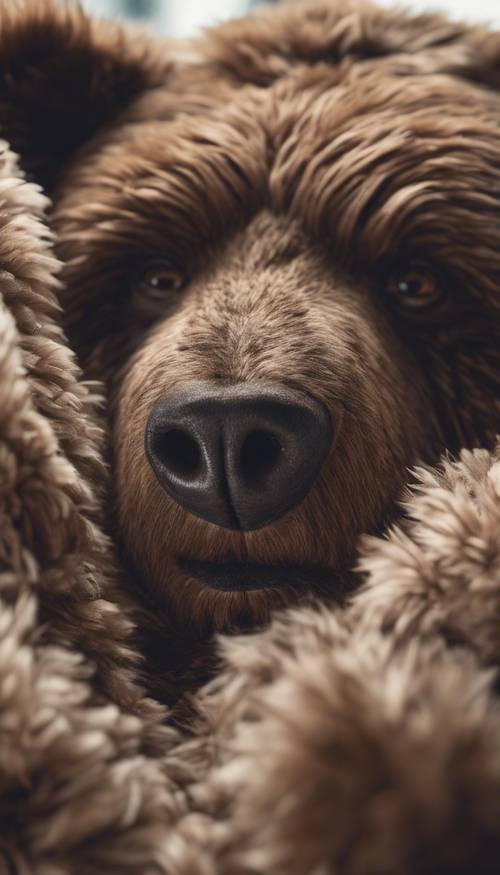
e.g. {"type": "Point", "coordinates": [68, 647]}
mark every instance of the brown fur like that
{"type": "Point", "coordinates": [287, 163]}
{"type": "Point", "coordinates": [287, 186]}
{"type": "Point", "coordinates": [341, 741]}
{"type": "Point", "coordinates": [366, 740]}
{"type": "Point", "coordinates": [287, 167]}
{"type": "Point", "coordinates": [70, 704]}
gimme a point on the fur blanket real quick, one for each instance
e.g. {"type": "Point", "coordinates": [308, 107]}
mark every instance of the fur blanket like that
{"type": "Point", "coordinates": [363, 741]}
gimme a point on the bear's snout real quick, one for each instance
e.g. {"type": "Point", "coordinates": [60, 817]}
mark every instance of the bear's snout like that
{"type": "Point", "coordinates": [238, 456]}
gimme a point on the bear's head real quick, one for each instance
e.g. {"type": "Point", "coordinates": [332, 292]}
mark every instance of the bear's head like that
{"type": "Point", "coordinates": [282, 255]}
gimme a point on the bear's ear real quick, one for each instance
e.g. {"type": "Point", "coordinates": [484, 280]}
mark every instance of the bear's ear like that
{"type": "Point", "coordinates": [64, 75]}
{"type": "Point", "coordinates": [484, 58]}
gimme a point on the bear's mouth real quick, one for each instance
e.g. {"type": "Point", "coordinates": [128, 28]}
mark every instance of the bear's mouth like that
{"type": "Point", "coordinates": [248, 576]}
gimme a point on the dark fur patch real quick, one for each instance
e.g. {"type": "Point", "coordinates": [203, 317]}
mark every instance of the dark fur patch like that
{"type": "Point", "coordinates": [287, 164]}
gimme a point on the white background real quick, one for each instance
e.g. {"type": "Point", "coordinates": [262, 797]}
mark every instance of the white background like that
{"type": "Point", "coordinates": [481, 10]}
{"type": "Point", "coordinates": [186, 17]}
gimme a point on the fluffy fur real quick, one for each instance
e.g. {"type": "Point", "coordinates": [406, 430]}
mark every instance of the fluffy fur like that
{"type": "Point", "coordinates": [354, 740]}
{"type": "Point", "coordinates": [368, 740]}
{"type": "Point", "coordinates": [290, 168]}
{"type": "Point", "coordinates": [79, 740]}
{"type": "Point", "coordinates": [291, 165]}
{"type": "Point", "coordinates": [291, 174]}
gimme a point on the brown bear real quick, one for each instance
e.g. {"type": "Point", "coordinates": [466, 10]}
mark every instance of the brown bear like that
{"type": "Point", "coordinates": [282, 256]}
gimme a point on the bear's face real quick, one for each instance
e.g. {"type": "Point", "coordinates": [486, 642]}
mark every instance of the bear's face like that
{"type": "Point", "coordinates": [334, 239]}
{"type": "Point", "coordinates": [267, 310]}
{"type": "Point", "coordinates": [284, 261]}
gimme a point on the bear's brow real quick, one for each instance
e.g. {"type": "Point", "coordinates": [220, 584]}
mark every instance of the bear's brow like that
{"type": "Point", "coordinates": [370, 183]}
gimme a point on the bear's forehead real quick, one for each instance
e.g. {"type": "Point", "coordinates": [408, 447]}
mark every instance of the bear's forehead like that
{"type": "Point", "coordinates": [383, 112]}
{"type": "Point", "coordinates": [359, 158]}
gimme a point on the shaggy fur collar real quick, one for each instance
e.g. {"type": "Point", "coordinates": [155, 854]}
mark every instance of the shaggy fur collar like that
{"type": "Point", "coordinates": [364, 740]}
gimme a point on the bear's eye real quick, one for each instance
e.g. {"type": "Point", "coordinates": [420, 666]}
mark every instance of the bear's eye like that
{"type": "Point", "coordinates": [157, 281]}
{"type": "Point", "coordinates": [414, 288]}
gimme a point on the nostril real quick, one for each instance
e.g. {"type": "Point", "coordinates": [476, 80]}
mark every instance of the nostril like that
{"type": "Point", "coordinates": [237, 456]}
{"type": "Point", "coordinates": [180, 453]}
{"type": "Point", "coordinates": [259, 455]}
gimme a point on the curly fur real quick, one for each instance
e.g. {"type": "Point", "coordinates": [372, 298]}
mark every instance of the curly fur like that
{"type": "Point", "coordinates": [368, 740]}
{"type": "Point", "coordinates": [78, 756]}
{"type": "Point", "coordinates": [290, 164]}
{"type": "Point", "coordinates": [354, 740]}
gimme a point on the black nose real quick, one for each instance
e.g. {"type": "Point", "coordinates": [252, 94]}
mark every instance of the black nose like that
{"type": "Point", "coordinates": [239, 456]}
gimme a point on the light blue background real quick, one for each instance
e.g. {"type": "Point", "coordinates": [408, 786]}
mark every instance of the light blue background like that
{"type": "Point", "coordinates": [186, 17]}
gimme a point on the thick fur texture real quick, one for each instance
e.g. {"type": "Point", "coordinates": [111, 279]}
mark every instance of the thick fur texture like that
{"type": "Point", "coordinates": [361, 740]}
{"type": "Point", "coordinates": [290, 169]}
{"type": "Point", "coordinates": [367, 741]}
{"type": "Point", "coordinates": [79, 742]}
{"type": "Point", "coordinates": [355, 740]}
